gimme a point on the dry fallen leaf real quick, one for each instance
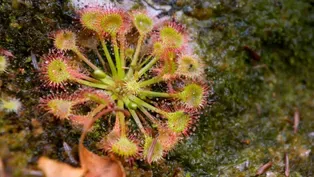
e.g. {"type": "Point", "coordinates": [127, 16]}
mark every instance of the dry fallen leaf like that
{"type": "Point", "coordinates": [97, 166]}
{"type": "Point", "coordinates": [53, 168]}
{"type": "Point", "coordinates": [2, 171]}
{"type": "Point", "coordinates": [6, 53]}
{"type": "Point", "coordinates": [92, 165]}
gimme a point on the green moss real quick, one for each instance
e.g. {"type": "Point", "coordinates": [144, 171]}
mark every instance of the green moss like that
{"type": "Point", "coordinates": [254, 98]}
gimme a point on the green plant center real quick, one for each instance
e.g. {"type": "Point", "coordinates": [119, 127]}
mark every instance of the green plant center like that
{"type": "Point", "coordinates": [90, 20]}
{"type": "Point", "coordinates": [178, 121]}
{"type": "Point", "coordinates": [143, 23]}
{"type": "Point", "coordinates": [192, 95]}
{"type": "Point", "coordinates": [124, 147]}
{"type": "Point", "coordinates": [58, 71]}
{"type": "Point", "coordinates": [171, 37]}
{"type": "Point", "coordinates": [154, 151]}
{"type": "Point", "coordinates": [61, 108]}
{"type": "Point", "coordinates": [188, 64]}
{"type": "Point", "coordinates": [131, 87]}
{"type": "Point", "coordinates": [111, 23]}
{"type": "Point", "coordinates": [65, 40]}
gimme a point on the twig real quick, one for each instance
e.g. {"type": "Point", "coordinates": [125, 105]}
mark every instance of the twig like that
{"type": "Point", "coordinates": [68, 151]}
{"type": "Point", "coordinates": [34, 61]}
{"type": "Point", "coordinates": [33, 172]}
{"type": "Point", "coordinates": [263, 168]}
{"type": "Point", "coordinates": [150, 5]}
{"type": "Point", "coordinates": [296, 121]}
{"type": "Point", "coordinates": [287, 168]}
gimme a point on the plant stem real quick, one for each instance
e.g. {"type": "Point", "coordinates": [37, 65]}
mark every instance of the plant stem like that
{"type": "Point", "coordinates": [145, 61]}
{"type": "Point", "coordinates": [156, 94]}
{"type": "Point", "coordinates": [137, 121]}
{"type": "Point", "coordinates": [150, 81]}
{"type": "Point", "coordinates": [107, 54]}
{"type": "Point", "coordinates": [147, 67]}
{"type": "Point", "coordinates": [121, 118]}
{"type": "Point", "coordinates": [137, 51]}
{"type": "Point", "coordinates": [122, 50]}
{"type": "Point", "coordinates": [107, 81]}
{"type": "Point", "coordinates": [95, 50]}
{"type": "Point", "coordinates": [82, 57]}
{"type": "Point", "coordinates": [135, 57]}
{"type": "Point", "coordinates": [144, 104]}
{"type": "Point", "coordinates": [90, 79]}
{"type": "Point", "coordinates": [91, 84]}
{"type": "Point", "coordinates": [117, 56]}
{"type": "Point", "coordinates": [98, 109]}
{"type": "Point", "coordinates": [150, 117]}
{"type": "Point", "coordinates": [91, 122]}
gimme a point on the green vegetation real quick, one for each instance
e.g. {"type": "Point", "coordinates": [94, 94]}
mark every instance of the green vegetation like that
{"type": "Point", "coordinates": [255, 99]}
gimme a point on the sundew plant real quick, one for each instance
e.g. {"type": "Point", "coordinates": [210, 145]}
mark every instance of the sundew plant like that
{"type": "Point", "coordinates": [142, 65]}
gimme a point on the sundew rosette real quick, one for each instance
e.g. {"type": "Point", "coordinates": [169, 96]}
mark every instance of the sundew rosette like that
{"type": "Point", "coordinates": [141, 67]}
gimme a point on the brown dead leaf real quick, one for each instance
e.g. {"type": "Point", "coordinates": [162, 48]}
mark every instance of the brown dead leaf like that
{"type": "Point", "coordinates": [97, 166]}
{"type": "Point", "coordinates": [92, 165]}
{"type": "Point", "coordinates": [2, 171]}
{"type": "Point", "coordinates": [6, 53]}
{"type": "Point", "coordinates": [53, 168]}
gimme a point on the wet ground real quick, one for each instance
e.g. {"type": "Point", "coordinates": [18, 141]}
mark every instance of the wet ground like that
{"type": "Point", "coordinates": [259, 56]}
